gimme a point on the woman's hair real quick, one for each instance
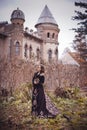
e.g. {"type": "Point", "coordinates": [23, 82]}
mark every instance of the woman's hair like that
{"type": "Point", "coordinates": [42, 69]}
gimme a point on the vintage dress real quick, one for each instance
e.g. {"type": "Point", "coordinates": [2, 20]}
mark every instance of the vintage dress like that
{"type": "Point", "coordinates": [38, 96]}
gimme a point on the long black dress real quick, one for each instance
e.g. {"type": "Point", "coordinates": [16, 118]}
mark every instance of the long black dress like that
{"type": "Point", "coordinates": [38, 96]}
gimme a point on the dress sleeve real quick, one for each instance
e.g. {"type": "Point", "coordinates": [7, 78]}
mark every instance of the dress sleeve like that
{"type": "Point", "coordinates": [42, 79]}
{"type": "Point", "coordinates": [33, 78]}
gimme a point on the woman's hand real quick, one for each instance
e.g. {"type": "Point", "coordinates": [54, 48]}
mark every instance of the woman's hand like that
{"type": "Point", "coordinates": [36, 80]}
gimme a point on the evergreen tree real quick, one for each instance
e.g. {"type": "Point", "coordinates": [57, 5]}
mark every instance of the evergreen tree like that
{"type": "Point", "coordinates": [82, 17]}
{"type": "Point", "coordinates": [80, 42]}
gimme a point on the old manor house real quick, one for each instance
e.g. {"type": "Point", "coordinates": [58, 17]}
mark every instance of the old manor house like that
{"type": "Point", "coordinates": [22, 43]}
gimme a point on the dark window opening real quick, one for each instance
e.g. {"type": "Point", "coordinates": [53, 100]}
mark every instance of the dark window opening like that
{"type": "Point", "coordinates": [38, 53]}
{"type": "Point", "coordinates": [26, 51]}
{"type": "Point", "coordinates": [30, 51]}
{"type": "Point", "coordinates": [56, 53]}
{"type": "Point", "coordinates": [53, 35]}
{"type": "Point", "coordinates": [17, 48]}
{"type": "Point", "coordinates": [48, 35]}
{"type": "Point", "coordinates": [50, 55]}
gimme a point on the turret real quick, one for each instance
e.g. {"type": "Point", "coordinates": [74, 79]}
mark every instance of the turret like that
{"type": "Point", "coordinates": [47, 26]}
{"type": "Point", "coordinates": [17, 17]}
{"type": "Point", "coordinates": [48, 30]}
{"type": "Point", "coordinates": [17, 20]}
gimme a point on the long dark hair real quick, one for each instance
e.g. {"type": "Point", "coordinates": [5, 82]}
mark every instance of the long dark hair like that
{"type": "Point", "coordinates": [42, 69]}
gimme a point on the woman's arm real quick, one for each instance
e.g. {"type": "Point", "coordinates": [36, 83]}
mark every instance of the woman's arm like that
{"type": "Point", "coordinates": [33, 78]}
{"type": "Point", "coordinates": [42, 79]}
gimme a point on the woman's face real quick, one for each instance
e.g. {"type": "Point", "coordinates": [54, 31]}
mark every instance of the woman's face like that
{"type": "Point", "coordinates": [38, 68]}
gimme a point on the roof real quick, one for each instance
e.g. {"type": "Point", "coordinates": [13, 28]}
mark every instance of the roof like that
{"type": "Point", "coordinates": [2, 35]}
{"type": "Point", "coordinates": [77, 57]}
{"type": "Point", "coordinates": [26, 34]}
{"type": "Point", "coordinates": [46, 17]}
{"type": "Point", "coordinates": [67, 58]}
{"type": "Point", "coordinates": [3, 23]}
{"type": "Point", "coordinates": [17, 14]}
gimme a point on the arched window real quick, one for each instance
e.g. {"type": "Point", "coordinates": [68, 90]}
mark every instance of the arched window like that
{"type": "Point", "coordinates": [9, 48]}
{"type": "Point", "coordinates": [17, 48]}
{"type": "Point", "coordinates": [49, 55]}
{"type": "Point", "coordinates": [48, 35]}
{"type": "Point", "coordinates": [53, 35]}
{"type": "Point", "coordinates": [38, 53]}
{"type": "Point", "coordinates": [56, 53]}
{"type": "Point", "coordinates": [30, 51]}
{"type": "Point", "coordinates": [26, 50]}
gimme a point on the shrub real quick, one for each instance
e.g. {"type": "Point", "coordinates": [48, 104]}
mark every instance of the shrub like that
{"type": "Point", "coordinates": [67, 92]}
{"type": "Point", "coordinates": [23, 92]}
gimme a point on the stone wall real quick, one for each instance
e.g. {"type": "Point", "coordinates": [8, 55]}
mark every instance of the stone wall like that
{"type": "Point", "coordinates": [16, 73]}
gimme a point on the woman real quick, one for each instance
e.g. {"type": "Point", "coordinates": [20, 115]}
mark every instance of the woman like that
{"type": "Point", "coordinates": [38, 96]}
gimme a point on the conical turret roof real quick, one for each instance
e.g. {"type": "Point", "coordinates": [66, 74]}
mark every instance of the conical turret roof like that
{"type": "Point", "coordinates": [46, 17]}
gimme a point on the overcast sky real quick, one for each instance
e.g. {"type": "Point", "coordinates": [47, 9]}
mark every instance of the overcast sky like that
{"type": "Point", "coordinates": [62, 10]}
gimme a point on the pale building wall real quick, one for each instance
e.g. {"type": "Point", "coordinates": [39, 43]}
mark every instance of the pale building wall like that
{"type": "Point", "coordinates": [46, 48]}
{"type": "Point", "coordinates": [16, 32]}
{"type": "Point", "coordinates": [44, 29]}
{"type": "Point", "coordinates": [48, 42]}
{"type": "Point", "coordinates": [16, 36]}
{"type": "Point", "coordinates": [1, 48]}
{"type": "Point", "coordinates": [4, 47]}
{"type": "Point", "coordinates": [34, 44]}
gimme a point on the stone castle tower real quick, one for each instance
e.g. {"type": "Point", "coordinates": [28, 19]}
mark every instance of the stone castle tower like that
{"type": "Point", "coordinates": [48, 30]}
{"type": "Point", "coordinates": [21, 43]}
{"type": "Point", "coordinates": [16, 38]}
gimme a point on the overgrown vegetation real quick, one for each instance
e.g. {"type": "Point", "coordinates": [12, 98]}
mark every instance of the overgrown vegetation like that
{"type": "Point", "coordinates": [15, 111]}
{"type": "Point", "coordinates": [67, 92]}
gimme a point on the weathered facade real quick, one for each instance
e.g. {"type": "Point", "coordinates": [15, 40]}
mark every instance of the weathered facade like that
{"type": "Point", "coordinates": [17, 42]}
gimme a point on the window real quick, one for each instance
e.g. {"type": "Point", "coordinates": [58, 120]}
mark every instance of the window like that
{"type": "Point", "coordinates": [26, 50]}
{"type": "Point", "coordinates": [9, 48]}
{"type": "Point", "coordinates": [30, 51]}
{"type": "Point", "coordinates": [17, 48]}
{"type": "Point", "coordinates": [56, 53]}
{"type": "Point", "coordinates": [48, 35]}
{"type": "Point", "coordinates": [49, 55]}
{"type": "Point", "coordinates": [53, 35]}
{"type": "Point", "coordinates": [38, 53]}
